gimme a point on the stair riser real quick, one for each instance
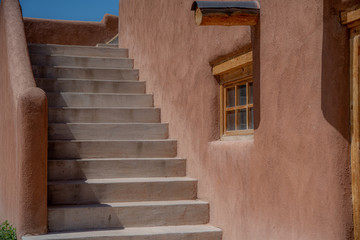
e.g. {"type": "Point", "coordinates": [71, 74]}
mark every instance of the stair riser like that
{"type": "Point", "coordinates": [83, 73]}
{"type": "Point", "coordinates": [97, 169]}
{"type": "Point", "coordinates": [46, 60]}
{"type": "Point", "coordinates": [49, 85]}
{"type": "Point", "coordinates": [132, 216]}
{"type": "Point", "coordinates": [121, 192]}
{"type": "Point", "coordinates": [116, 149]}
{"type": "Point", "coordinates": [99, 100]}
{"type": "Point", "coordinates": [78, 51]}
{"type": "Point", "coordinates": [108, 131]}
{"type": "Point", "coordinates": [59, 115]}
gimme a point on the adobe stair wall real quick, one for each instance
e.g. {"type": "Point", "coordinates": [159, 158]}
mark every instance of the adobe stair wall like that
{"type": "Point", "coordinates": [23, 130]}
{"type": "Point", "coordinates": [293, 180]}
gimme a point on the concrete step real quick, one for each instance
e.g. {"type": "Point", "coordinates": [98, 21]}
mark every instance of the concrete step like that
{"type": "Point", "coordinates": [75, 149]}
{"type": "Point", "coordinates": [68, 50]}
{"type": "Point", "coordinates": [80, 61]}
{"type": "Point", "coordinates": [187, 232]}
{"type": "Point", "coordinates": [124, 215]}
{"type": "Point", "coordinates": [65, 169]}
{"type": "Point", "coordinates": [121, 190]}
{"type": "Point", "coordinates": [71, 99]}
{"type": "Point", "coordinates": [85, 73]}
{"type": "Point", "coordinates": [90, 86]}
{"type": "Point", "coordinates": [108, 131]}
{"type": "Point", "coordinates": [104, 115]}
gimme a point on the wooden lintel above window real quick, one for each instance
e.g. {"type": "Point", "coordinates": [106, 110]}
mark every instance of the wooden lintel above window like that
{"type": "Point", "coordinates": [351, 18]}
{"type": "Point", "coordinates": [226, 13]}
{"type": "Point", "coordinates": [233, 64]}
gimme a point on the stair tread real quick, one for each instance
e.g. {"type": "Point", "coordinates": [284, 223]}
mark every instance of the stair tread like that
{"type": "Point", "coordinates": [100, 94]}
{"type": "Point", "coordinates": [124, 180]}
{"type": "Point", "coordinates": [117, 159]}
{"type": "Point", "coordinates": [107, 124]}
{"type": "Point", "coordinates": [79, 56]}
{"type": "Point", "coordinates": [76, 67]}
{"type": "Point", "coordinates": [130, 204]}
{"type": "Point", "coordinates": [90, 80]}
{"type": "Point", "coordinates": [66, 46]}
{"type": "Point", "coordinates": [103, 108]}
{"type": "Point", "coordinates": [130, 140]}
{"type": "Point", "coordinates": [134, 231]}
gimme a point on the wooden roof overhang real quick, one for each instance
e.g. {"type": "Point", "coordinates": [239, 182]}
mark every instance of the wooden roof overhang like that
{"type": "Point", "coordinates": [226, 13]}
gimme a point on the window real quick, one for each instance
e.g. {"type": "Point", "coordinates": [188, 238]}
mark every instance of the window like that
{"type": "Point", "coordinates": [238, 112]}
{"type": "Point", "coordinates": [236, 95]}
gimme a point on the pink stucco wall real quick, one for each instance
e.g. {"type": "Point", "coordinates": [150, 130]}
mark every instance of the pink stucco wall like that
{"type": "Point", "coordinates": [23, 130]}
{"type": "Point", "coordinates": [292, 181]}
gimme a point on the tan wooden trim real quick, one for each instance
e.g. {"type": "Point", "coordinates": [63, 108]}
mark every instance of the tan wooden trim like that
{"type": "Point", "coordinates": [221, 110]}
{"type": "Point", "coordinates": [354, 31]}
{"type": "Point", "coordinates": [112, 39]}
{"type": "Point", "coordinates": [353, 24]}
{"type": "Point", "coordinates": [228, 109]}
{"type": "Point", "coordinates": [355, 132]}
{"type": "Point", "coordinates": [233, 64]}
{"type": "Point", "coordinates": [247, 105]}
{"type": "Point", "coordinates": [238, 80]}
{"type": "Point", "coordinates": [350, 16]}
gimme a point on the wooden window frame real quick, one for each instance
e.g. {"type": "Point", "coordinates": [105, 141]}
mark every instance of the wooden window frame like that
{"type": "Point", "coordinates": [224, 109]}
{"type": "Point", "coordinates": [231, 73]}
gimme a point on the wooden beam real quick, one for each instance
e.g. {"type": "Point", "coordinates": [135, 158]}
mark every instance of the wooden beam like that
{"type": "Point", "coordinates": [233, 64]}
{"type": "Point", "coordinates": [354, 24]}
{"type": "Point", "coordinates": [224, 18]}
{"type": "Point", "coordinates": [355, 132]}
{"type": "Point", "coordinates": [226, 13]}
{"type": "Point", "coordinates": [348, 17]}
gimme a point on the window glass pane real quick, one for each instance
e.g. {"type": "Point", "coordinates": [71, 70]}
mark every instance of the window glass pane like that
{"type": "Point", "coordinates": [230, 120]}
{"type": "Point", "coordinates": [241, 124]}
{"type": "Point", "coordinates": [251, 118]}
{"type": "Point", "coordinates": [230, 97]}
{"type": "Point", "coordinates": [241, 92]}
{"type": "Point", "coordinates": [250, 93]}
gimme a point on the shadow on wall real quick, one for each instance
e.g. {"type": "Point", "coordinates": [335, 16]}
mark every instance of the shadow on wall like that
{"type": "Point", "coordinates": [255, 40]}
{"type": "Point", "coordinates": [335, 87]}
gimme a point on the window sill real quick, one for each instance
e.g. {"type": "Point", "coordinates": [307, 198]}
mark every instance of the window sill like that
{"type": "Point", "coordinates": [237, 138]}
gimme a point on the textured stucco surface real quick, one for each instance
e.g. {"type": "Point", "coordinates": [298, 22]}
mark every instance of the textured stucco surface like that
{"type": "Point", "coordinates": [293, 180]}
{"type": "Point", "coordinates": [67, 32]}
{"type": "Point", "coordinates": [23, 130]}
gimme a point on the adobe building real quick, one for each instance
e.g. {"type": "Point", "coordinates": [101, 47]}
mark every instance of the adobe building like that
{"type": "Point", "coordinates": [241, 122]}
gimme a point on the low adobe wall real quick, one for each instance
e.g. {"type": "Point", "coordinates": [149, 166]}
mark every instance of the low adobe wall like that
{"type": "Point", "coordinates": [47, 31]}
{"type": "Point", "coordinates": [293, 180]}
{"type": "Point", "coordinates": [23, 130]}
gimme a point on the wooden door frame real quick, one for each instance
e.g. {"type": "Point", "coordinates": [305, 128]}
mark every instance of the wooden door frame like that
{"type": "Point", "coordinates": [355, 133]}
{"type": "Point", "coordinates": [352, 20]}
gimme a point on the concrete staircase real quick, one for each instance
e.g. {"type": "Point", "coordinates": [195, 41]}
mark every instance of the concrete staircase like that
{"type": "Point", "coordinates": [112, 171]}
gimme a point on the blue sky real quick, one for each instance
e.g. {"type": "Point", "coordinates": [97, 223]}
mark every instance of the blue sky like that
{"type": "Point", "coordinates": [83, 10]}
